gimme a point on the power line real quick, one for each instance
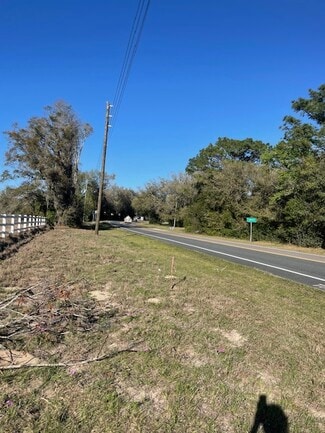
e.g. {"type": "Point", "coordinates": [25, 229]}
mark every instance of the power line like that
{"type": "Point", "coordinates": [133, 42]}
{"type": "Point", "coordinates": [132, 46]}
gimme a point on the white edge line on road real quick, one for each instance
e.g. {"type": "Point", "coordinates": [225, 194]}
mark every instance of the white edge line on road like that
{"type": "Point", "coordinates": [264, 249]}
{"type": "Point", "coordinates": [228, 255]}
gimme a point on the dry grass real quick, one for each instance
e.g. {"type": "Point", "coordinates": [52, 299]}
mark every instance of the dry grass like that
{"type": "Point", "coordinates": [208, 345]}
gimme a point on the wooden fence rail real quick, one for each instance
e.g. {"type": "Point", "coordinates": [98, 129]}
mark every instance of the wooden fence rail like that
{"type": "Point", "coordinates": [15, 224]}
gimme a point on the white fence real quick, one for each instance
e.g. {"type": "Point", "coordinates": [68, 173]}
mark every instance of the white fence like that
{"type": "Point", "coordinates": [15, 224]}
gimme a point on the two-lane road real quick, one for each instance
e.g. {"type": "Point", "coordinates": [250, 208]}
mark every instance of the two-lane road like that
{"type": "Point", "coordinates": [299, 267]}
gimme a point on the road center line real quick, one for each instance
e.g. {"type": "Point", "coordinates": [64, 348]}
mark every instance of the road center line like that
{"type": "Point", "coordinates": [228, 255]}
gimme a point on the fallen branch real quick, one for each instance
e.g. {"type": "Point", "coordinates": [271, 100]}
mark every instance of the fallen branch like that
{"type": "Point", "coordinates": [177, 282]}
{"type": "Point", "coordinates": [70, 364]}
{"type": "Point", "coordinates": [11, 299]}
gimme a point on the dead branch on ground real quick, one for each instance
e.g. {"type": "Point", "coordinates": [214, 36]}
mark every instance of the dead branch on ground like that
{"type": "Point", "coordinates": [177, 282]}
{"type": "Point", "coordinates": [43, 314]}
{"type": "Point", "coordinates": [71, 364]}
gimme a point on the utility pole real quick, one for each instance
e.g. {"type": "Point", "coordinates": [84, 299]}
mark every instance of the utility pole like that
{"type": "Point", "coordinates": [102, 175]}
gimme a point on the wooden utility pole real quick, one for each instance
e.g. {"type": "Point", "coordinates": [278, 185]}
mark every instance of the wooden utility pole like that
{"type": "Point", "coordinates": [102, 174]}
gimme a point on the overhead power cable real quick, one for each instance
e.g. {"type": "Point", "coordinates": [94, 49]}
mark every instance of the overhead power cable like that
{"type": "Point", "coordinates": [131, 50]}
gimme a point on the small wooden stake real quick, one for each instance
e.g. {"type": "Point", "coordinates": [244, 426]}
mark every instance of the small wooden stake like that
{"type": "Point", "coordinates": [172, 267]}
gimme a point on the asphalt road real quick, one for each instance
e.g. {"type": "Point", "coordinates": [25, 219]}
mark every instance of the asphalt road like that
{"type": "Point", "coordinates": [300, 267]}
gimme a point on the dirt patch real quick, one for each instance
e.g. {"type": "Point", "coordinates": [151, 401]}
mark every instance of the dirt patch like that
{"type": "Point", "coordinates": [267, 378]}
{"type": "Point", "coordinates": [154, 301]}
{"type": "Point", "coordinates": [233, 337]}
{"type": "Point", "coordinates": [12, 357]}
{"type": "Point", "coordinates": [100, 295]}
{"type": "Point", "coordinates": [318, 413]}
{"type": "Point", "coordinates": [189, 309]}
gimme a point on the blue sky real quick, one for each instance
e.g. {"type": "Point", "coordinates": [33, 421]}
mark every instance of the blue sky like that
{"type": "Point", "coordinates": [204, 69]}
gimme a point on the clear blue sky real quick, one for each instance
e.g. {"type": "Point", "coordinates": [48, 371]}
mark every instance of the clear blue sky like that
{"type": "Point", "coordinates": [204, 69]}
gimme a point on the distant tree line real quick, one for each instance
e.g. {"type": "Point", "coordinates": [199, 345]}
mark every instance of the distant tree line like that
{"type": "Point", "coordinates": [282, 186]}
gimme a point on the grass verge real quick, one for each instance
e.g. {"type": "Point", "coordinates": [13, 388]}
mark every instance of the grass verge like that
{"type": "Point", "coordinates": [211, 338]}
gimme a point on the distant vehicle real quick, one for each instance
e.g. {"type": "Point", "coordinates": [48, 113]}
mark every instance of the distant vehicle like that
{"type": "Point", "coordinates": [138, 218]}
{"type": "Point", "coordinates": [128, 219]}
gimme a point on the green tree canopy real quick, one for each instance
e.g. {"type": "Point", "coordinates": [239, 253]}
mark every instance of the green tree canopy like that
{"type": "Point", "coordinates": [226, 149]}
{"type": "Point", "coordinates": [225, 197]}
{"type": "Point", "coordinates": [299, 199]}
{"type": "Point", "coordinates": [27, 198]}
{"type": "Point", "coordinates": [48, 150]}
{"type": "Point", "coordinates": [165, 200]}
{"type": "Point", "coordinates": [88, 190]}
{"type": "Point", "coordinates": [313, 107]}
{"type": "Point", "coordinates": [119, 202]}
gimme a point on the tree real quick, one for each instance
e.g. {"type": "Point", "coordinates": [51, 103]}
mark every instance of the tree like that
{"type": "Point", "coordinates": [313, 107]}
{"type": "Point", "coordinates": [230, 180]}
{"type": "Point", "coordinates": [87, 196]}
{"type": "Point", "coordinates": [26, 199]}
{"type": "Point", "coordinates": [226, 197]}
{"type": "Point", "coordinates": [119, 202]}
{"type": "Point", "coordinates": [150, 200]}
{"type": "Point", "coordinates": [165, 200]}
{"type": "Point", "coordinates": [299, 203]}
{"type": "Point", "coordinates": [283, 186]}
{"type": "Point", "coordinates": [299, 200]}
{"type": "Point", "coordinates": [179, 194]}
{"type": "Point", "coordinates": [48, 150]}
{"type": "Point", "coordinates": [226, 149]}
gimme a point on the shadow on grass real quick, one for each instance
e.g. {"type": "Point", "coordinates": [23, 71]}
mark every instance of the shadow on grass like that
{"type": "Point", "coordinates": [271, 417]}
{"type": "Point", "coordinates": [103, 225]}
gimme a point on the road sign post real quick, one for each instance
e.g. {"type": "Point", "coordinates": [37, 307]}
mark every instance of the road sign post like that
{"type": "Point", "coordinates": [251, 221]}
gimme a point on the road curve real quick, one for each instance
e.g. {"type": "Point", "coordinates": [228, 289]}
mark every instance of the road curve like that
{"type": "Point", "coordinates": [300, 267]}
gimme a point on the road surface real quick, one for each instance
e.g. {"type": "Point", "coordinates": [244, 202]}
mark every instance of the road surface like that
{"type": "Point", "coordinates": [300, 267]}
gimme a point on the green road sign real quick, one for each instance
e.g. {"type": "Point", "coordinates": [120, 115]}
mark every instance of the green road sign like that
{"type": "Point", "coordinates": [251, 219]}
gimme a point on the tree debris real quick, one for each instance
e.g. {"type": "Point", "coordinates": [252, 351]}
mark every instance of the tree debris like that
{"type": "Point", "coordinates": [38, 318]}
{"type": "Point", "coordinates": [71, 364]}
